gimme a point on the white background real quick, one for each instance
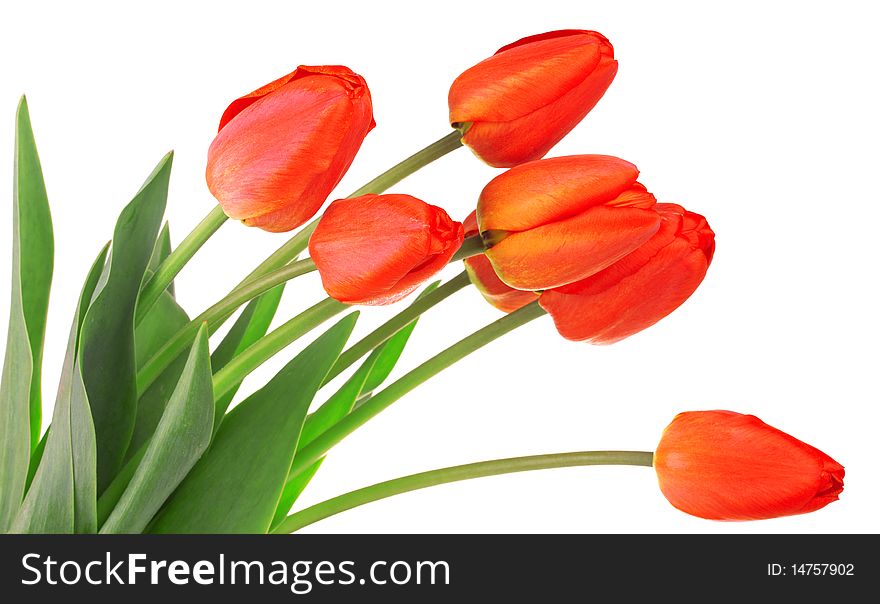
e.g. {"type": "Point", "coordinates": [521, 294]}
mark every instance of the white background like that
{"type": "Point", "coordinates": [762, 116]}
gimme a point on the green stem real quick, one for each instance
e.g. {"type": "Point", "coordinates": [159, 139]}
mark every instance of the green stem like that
{"type": "Point", "coordinates": [481, 469]}
{"type": "Point", "coordinates": [396, 323]}
{"type": "Point", "coordinates": [412, 164]}
{"type": "Point", "coordinates": [215, 315]}
{"type": "Point", "coordinates": [378, 403]}
{"type": "Point", "coordinates": [171, 266]}
{"type": "Point", "coordinates": [472, 246]}
{"type": "Point", "coordinates": [296, 244]}
{"type": "Point", "coordinates": [270, 344]}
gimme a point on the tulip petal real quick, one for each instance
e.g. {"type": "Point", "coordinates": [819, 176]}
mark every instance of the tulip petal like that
{"type": "Point", "coordinates": [282, 149]}
{"type": "Point", "coordinates": [569, 250]}
{"type": "Point", "coordinates": [633, 304]}
{"type": "Point", "coordinates": [493, 289]}
{"type": "Point", "coordinates": [520, 79]}
{"type": "Point", "coordinates": [549, 190]}
{"type": "Point", "coordinates": [482, 275]}
{"type": "Point", "coordinates": [531, 136]}
{"type": "Point", "coordinates": [641, 288]}
{"type": "Point", "coordinates": [722, 465]}
{"type": "Point", "coordinates": [346, 76]}
{"type": "Point", "coordinates": [376, 249]}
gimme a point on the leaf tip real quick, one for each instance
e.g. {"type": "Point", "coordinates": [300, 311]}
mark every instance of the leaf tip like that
{"type": "Point", "coordinates": [22, 114]}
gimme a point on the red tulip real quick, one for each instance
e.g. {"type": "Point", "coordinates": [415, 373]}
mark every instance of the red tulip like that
{"type": "Point", "coordinates": [530, 94]}
{"type": "Point", "coordinates": [641, 288]}
{"type": "Point", "coordinates": [483, 276]}
{"type": "Point", "coordinates": [376, 249]}
{"type": "Point", "coordinates": [722, 465]}
{"type": "Point", "coordinates": [555, 221]}
{"type": "Point", "coordinates": [281, 149]}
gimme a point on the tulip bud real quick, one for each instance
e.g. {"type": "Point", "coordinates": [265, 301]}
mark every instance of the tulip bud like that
{"type": "Point", "coordinates": [528, 95]}
{"type": "Point", "coordinates": [376, 249]}
{"type": "Point", "coordinates": [640, 289]}
{"type": "Point", "coordinates": [555, 221]}
{"type": "Point", "coordinates": [722, 465]}
{"type": "Point", "coordinates": [483, 276]}
{"type": "Point", "coordinates": [281, 149]}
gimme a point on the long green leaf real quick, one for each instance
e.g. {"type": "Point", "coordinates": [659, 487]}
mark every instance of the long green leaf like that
{"type": "Point", "coordinates": [235, 486]}
{"type": "Point", "coordinates": [369, 376]}
{"type": "Point", "coordinates": [181, 438]}
{"type": "Point", "coordinates": [108, 343]}
{"type": "Point", "coordinates": [36, 253]}
{"type": "Point", "coordinates": [165, 317]}
{"type": "Point", "coordinates": [334, 409]}
{"type": "Point", "coordinates": [161, 250]}
{"type": "Point", "coordinates": [160, 323]}
{"type": "Point", "coordinates": [62, 497]}
{"type": "Point", "coordinates": [251, 325]}
{"type": "Point", "coordinates": [20, 385]}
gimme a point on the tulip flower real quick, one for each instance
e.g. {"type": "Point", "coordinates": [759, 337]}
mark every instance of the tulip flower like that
{"type": "Point", "coordinates": [722, 465]}
{"type": "Point", "coordinates": [483, 276]}
{"type": "Point", "coordinates": [528, 95]}
{"type": "Point", "coordinates": [555, 221]}
{"type": "Point", "coordinates": [641, 288]}
{"type": "Point", "coordinates": [281, 149]}
{"type": "Point", "coordinates": [376, 249]}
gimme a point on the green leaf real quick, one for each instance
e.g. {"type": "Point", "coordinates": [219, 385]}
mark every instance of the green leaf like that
{"type": "Point", "coordinates": [389, 353]}
{"type": "Point", "coordinates": [235, 486]}
{"type": "Point", "coordinates": [20, 385]}
{"type": "Point", "coordinates": [108, 341]}
{"type": "Point", "coordinates": [14, 426]}
{"type": "Point", "coordinates": [367, 378]}
{"type": "Point", "coordinates": [62, 497]}
{"type": "Point", "coordinates": [161, 322]}
{"type": "Point", "coordinates": [334, 409]}
{"type": "Point", "coordinates": [36, 252]}
{"type": "Point", "coordinates": [251, 325]}
{"type": "Point", "coordinates": [161, 250]}
{"type": "Point", "coordinates": [182, 436]}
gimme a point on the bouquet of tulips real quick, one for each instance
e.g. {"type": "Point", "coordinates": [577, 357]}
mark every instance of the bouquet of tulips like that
{"type": "Point", "coordinates": [144, 436]}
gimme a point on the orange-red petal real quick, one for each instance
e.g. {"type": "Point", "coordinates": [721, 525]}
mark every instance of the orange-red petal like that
{"type": "Point", "coordinates": [283, 148]}
{"type": "Point", "coordinates": [356, 85]}
{"type": "Point", "coordinates": [722, 465]}
{"type": "Point", "coordinates": [639, 289]}
{"type": "Point", "coordinates": [376, 249]}
{"type": "Point", "coordinates": [549, 190]}
{"type": "Point", "coordinates": [572, 249]}
{"type": "Point", "coordinates": [530, 137]}
{"type": "Point", "coordinates": [530, 94]}
{"type": "Point", "coordinates": [482, 275]}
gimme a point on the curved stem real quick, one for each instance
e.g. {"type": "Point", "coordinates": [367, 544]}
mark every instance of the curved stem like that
{"type": "Point", "coordinates": [396, 323]}
{"type": "Point", "coordinates": [296, 244]}
{"type": "Point", "coordinates": [411, 164]}
{"type": "Point", "coordinates": [378, 403]}
{"type": "Point", "coordinates": [168, 269]}
{"type": "Point", "coordinates": [481, 469]}
{"type": "Point", "coordinates": [215, 315]}
{"type": "Point", "coordinates": [263, 349]}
